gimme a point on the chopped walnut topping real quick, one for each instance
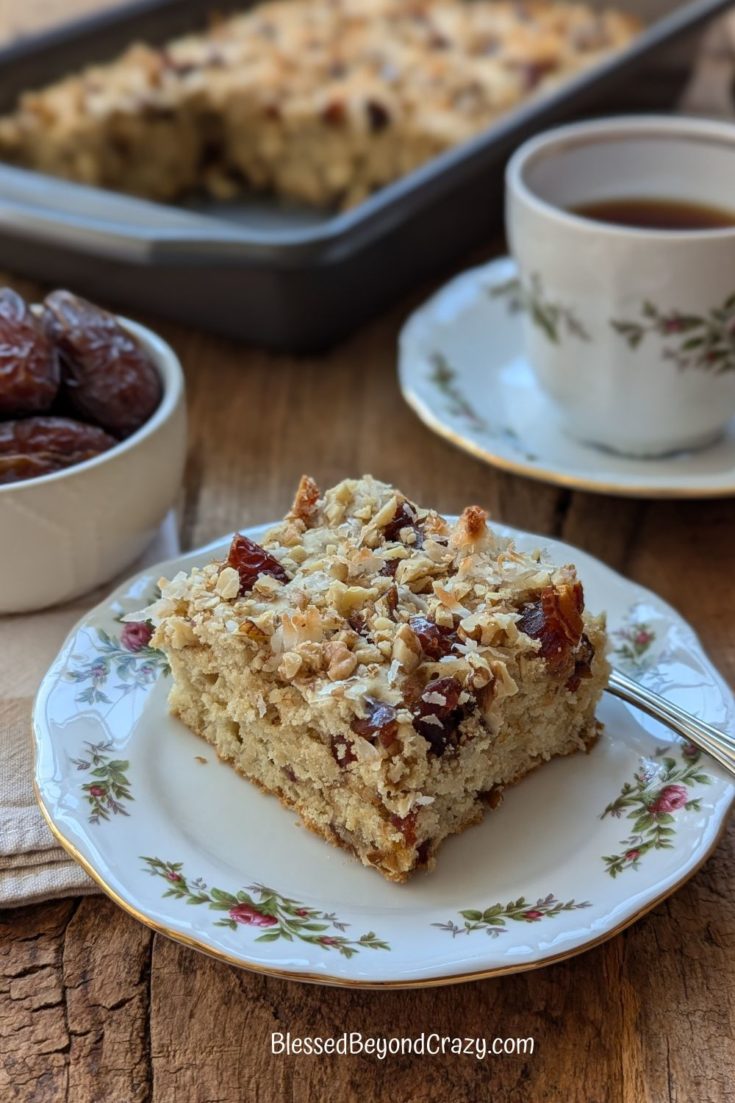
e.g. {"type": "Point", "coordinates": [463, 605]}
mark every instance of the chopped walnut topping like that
{"type": "Point", "coordinates": [290, 665]}
{"type": "Point", "coordinates": [380, 702]}
{"type": "Point", "coordinates": [250, 629]}
{"type": "Point", "coordinates": [321, 614]}
{"type": "Point", "coordinates": [341, 662]}
{"type": "Point", "coordinates": [228, 583]}
{"type": "Point", "coordinates": [406, 648]}
{"type": "Point", "coordinates": [305, 503]}
{"type": "Point", "coordinates": [301, 627]}
{"type": "Point", "coordinates": [471, 531]}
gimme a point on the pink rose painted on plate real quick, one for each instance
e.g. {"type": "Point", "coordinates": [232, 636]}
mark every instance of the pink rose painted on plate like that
{"type": "Point", "coordinates": [244, 913]}
{"type": "Point", "coordinates": [108, 791]}
{"type": "Point", "coordinates": [136, 635]}
{"type": "Point", "coordinates": [279, 917]}
{"type": "Point", "coordinates": [660, 787]}
{"type": "Point", "coordinates": [121, 664]}
{"type": "Point", "coordinates": [632, 645]}
{"type": "Point", "coordinates": [669, 799]}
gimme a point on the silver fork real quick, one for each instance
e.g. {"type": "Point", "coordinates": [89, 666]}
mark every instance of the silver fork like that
{"type": "Point", "coordinates": [719, 745]}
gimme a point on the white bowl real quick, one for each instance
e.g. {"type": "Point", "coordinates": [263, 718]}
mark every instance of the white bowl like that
{"type": "Point", "coordinates": [63, 534]}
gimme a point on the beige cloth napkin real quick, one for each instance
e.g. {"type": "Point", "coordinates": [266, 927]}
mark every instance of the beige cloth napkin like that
{"type": "Point", "coordinates": [32, 865]}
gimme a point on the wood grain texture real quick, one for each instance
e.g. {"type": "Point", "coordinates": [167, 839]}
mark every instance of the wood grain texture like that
{"type": "Point", "coordinates": [94, 1008]}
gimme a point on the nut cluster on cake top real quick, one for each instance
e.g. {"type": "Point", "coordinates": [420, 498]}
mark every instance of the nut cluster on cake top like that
{"type": "Point", "coordinates": [363, 597]}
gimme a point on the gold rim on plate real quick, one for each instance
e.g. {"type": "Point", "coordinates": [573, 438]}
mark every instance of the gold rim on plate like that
{"type": "Point", "coordinates": [547, 475]}
{"type": "Point", "coordinates": [327, 978]}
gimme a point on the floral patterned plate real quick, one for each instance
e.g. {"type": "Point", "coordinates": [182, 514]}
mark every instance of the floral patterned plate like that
{"type": "Point", "coordinates": [462, 369]}
{"type": "Point", "coordinates": [577, 851]}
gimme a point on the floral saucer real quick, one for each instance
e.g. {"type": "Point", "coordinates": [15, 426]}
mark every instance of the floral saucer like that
{"type": "Point", "coordinates": [462, 369]}
{"type": "Point", "coordinates": [577, 851]}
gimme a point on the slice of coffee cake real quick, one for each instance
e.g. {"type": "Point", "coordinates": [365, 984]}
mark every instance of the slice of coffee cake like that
{"type": "Point", "coordinates": [384, 672]}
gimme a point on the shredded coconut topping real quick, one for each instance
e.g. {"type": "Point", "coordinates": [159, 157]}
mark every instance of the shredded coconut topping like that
{"type": "Point", "coordinates": [358, 578]}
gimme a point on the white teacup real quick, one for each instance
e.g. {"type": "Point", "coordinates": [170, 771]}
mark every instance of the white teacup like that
{"type": "Point", "coordinates": [630, 331]}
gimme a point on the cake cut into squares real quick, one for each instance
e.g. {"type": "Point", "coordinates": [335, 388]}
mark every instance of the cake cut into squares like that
{"type": "Point", "coordinates": [383, 671]}
{"type": "Point", "coordinates": [321, 101]}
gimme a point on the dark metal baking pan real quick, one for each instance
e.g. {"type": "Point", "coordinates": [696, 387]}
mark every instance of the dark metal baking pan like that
{"type": "Point", "coordinates": [275, 274]}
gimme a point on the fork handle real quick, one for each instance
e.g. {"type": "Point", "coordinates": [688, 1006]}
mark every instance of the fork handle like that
{"type": "Point", "coordinates": [719, 745]}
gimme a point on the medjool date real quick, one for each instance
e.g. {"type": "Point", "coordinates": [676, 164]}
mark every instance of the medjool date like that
{"type": "Point", "coordinates": [105, 374]}
{"type": "Point", "coordinates": [29, 365]}
{"type": "Point", "coordinates": [37, 446]}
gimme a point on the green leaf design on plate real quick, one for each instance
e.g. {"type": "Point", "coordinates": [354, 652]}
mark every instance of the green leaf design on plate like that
{"type": "Point", "coordinates": [658, 791]}
{"type": "Point", "coordinates": [495, 918]}
{"type": "Point", "coordinates": [280, 917]}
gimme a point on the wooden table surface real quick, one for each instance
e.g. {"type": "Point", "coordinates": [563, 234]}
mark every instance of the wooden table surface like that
{"type": "Point", "coordinates": [94, 1007]}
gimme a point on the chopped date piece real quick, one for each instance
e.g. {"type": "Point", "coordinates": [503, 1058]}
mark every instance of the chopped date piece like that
{"type": "Point", "coordinates": [37, 446]}
{"type": "Point", "coordinates": [29, 364]}
{"type": "Point", "coordinates": [251, 561]}
{"type": "Point", "coordinates": [492, 797]}
{"type": "Point", "coordinates": [334, 113]}
{"type": "Point", "coordinates": [357, 624]}
{"type": "Point", "coordinates": [389, 568]}
{"type": "Point", "coordinates": [378, 115]}
{"type": "Point", "coordinates": [405, 517]}
{"type": "Point", "coordinates": [583, 657]}
{"type": "Point", "coordinates": [407, 826]}
{"type": "Point", "coordinates": [391, 599]}
{"type": "Point", "coordinates": [342, 750]}
{"type": "Point", "coordinates": [105, 374]}
{"type": "Point", "coordinates": [437, 714]}
{"type": "Point", "coordinates": [379, 723]}
{"type": "Point", "coordinates": [439, 41]}
{"type": "Point", "coordinates": [423, 852]}
{"type": "Point", "coordinates": [555, 618]}
{"type": "Point", "coordinates": [533, 72]}
{"type": "Point", "coordinates": [435, 641]}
